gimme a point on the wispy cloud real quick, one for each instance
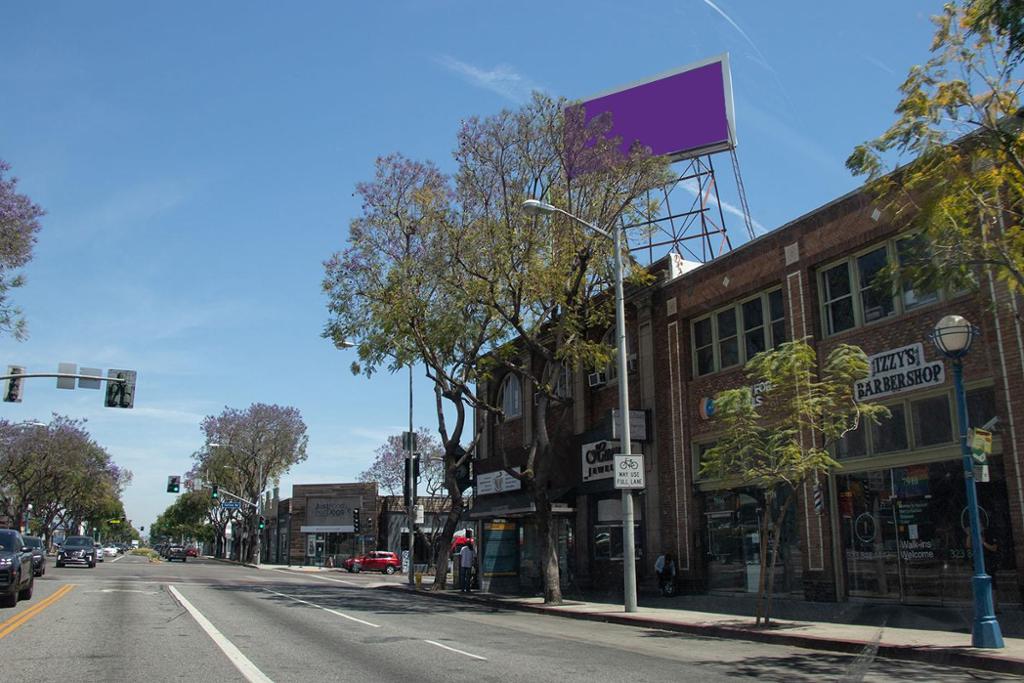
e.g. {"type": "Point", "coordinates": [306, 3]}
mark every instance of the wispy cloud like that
{"type": "Point", "coordinates": [130, 208]}
{"type": "Point", "coordinates": [761, 59]}
{"type": "Point", "coordinates": [881, 65]}
{"type": "Point", "coordinates": [502, 79]}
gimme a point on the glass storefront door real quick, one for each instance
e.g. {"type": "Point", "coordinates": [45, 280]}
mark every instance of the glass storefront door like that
{"type": "Point", "coordinates": [905, 533]}
{"type": "Point", "coordinates": [732, 523]}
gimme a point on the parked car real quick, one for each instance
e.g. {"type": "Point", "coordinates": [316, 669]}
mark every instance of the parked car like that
{"type": "Point", "coordinates": [77, 550]}
{"type": "Point", "coordinates": [110, 551]}
{"type": "Point", "coordinates": [176, 552]}
{"type": "Point", "coordinates": [192, 551]}
{"type": "Point", "coordinates": [38, 554]}
{"type": "Point", "coordinates": [374, 561]}
{"type": "Point", "coordinates": [16, 577]}
{"type": "Point", "coordinates": [99, 552]}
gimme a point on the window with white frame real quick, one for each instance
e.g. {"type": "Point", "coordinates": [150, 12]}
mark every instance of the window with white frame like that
{"type": "Point", "coordinates": [562, 386]}
{"type": "Point", "coordinates": [511, 397]}
{"type": "Point", "coordinates": [735, 334]}
{"type": "Point", "coordinates": [918, 422]}
{"type": "Point", "coordinates": [854, 291]}
{"type": "Point", "coordinates": [612, 369]}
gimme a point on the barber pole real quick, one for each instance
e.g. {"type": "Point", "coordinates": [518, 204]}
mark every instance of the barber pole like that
{"type": "Point", "coordinates": [819, 497]}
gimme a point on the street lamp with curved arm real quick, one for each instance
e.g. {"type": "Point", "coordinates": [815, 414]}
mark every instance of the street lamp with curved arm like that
{"type": "Point", "coordinates": [535, 207]}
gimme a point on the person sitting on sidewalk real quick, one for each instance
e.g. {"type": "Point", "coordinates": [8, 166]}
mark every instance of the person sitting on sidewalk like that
{"type": "Point", "coordinates": [665, 568]}
{"type": "Point", "coordinates": [467, 557]}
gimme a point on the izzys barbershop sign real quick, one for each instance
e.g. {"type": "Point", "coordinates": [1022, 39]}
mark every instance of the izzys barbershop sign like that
{"type": "Point", "coordinates": [898, 370]}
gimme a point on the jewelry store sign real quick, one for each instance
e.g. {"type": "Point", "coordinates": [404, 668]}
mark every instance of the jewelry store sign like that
{"type": "Point", "coordinates": [597, 458]}
{"type": "Point", "coordinates": [898, 370]}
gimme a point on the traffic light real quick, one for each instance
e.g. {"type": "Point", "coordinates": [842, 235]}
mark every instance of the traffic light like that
{"type": "Point", "coordinates": [263, 522]}
{"type": "Point", "coordinates": [355, 520]}
{"type": "Point", "coordinates": [120, 394]}
{"type": "Point", "coordinates": [173, 484]}
{"type": "Point", "coordinates": [215, 491]}
{"type": "Point", "coordinates": [415, 476]}
{"type": "Point", "coordinates": [14, 384]}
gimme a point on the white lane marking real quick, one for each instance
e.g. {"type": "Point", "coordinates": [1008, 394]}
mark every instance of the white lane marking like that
{"type": "Point", "coordinates": [468, 654]}
{"type": "Point", "coordinates": [311, 604]}
{"type": "Point", "coordinates": [234, 655]}
{"type": "Point", "coordinates": [117, 558]}
{"type": "Point", "coordinates": [316, 576]}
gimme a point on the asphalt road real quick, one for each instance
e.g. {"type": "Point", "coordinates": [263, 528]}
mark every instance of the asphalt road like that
{"type": "Point", "coordinates": [132, 620]}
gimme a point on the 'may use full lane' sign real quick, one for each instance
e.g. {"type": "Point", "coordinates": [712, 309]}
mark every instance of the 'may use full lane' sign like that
{"type": "Point", "coordinates": [898, 370]}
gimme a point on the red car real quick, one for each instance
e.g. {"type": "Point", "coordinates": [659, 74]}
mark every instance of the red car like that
{"type": "Point", "coordinates": [192, 551]}
{"type": "Point", "coordinates": [374, 561]}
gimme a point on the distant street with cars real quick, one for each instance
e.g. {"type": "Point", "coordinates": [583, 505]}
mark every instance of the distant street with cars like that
{"type": "Point", "coordinates": [135, 619]}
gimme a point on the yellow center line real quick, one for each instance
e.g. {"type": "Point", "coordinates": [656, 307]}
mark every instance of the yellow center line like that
{"type": "Point", "coordinates": [12, 624]}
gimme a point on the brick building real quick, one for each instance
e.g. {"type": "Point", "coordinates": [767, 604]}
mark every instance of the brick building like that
{"type": "Point", "coordinates": [316, 523]}
{"type": "Point", "coordinates": [890, 522]}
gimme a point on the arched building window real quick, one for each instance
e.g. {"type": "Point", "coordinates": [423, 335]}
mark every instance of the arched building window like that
{"type": "Point", "coordinates": [511, 397]}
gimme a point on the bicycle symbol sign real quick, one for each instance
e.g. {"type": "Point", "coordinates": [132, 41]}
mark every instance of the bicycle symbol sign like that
{"type": "Point", "coordinates": [629, 471]}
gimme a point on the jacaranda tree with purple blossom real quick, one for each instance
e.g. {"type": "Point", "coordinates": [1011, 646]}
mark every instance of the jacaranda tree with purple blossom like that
{"type": "Point", "coordinates": [449, 271]}
{"type": "Point", "coordinates": [19, 223]}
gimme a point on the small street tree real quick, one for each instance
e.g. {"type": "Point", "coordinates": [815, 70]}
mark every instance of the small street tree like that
{"type": "Point", "coordinates": [958, 136]}
{"type": "Point", "coordinates": [780, 441]}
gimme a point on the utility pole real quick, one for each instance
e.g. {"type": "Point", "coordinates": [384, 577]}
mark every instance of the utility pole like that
{"type": "Point", "coordinates": [411, 482]}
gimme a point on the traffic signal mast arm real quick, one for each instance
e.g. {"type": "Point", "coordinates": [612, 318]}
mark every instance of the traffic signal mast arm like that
{"type": "Point", "coordinates": [68, 375]}
{"type": "Point", "coordinates": [224, 492]}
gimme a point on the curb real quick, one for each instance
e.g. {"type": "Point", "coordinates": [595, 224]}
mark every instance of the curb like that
{"type": "Point", "coordinates": [959, 657]}
{"type": "Point", "coordinates": [232, 562]}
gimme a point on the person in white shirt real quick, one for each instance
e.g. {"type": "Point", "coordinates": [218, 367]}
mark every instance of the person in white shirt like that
{"type": "Point", "coordinates": [466, 558]}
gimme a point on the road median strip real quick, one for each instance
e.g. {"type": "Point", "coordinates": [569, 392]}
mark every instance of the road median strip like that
{"type": "Point", "coordinates": [11, 625]}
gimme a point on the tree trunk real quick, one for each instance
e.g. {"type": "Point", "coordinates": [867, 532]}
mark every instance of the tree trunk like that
{"type": "Point", "coordinates": [776, 542]}
{"type": "Point", "coordinates": [763, 557]}
{"type": "Point", "coordinates": [444, 543]}
{"type": "Point", "coordinates": [549, 550]}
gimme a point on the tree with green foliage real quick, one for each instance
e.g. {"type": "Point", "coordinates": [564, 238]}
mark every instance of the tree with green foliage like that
{"type": "Point", "coordinates": [952, 164]}
{"type": "Point", "coordinates": [451, 272]}
{"type": "Point", "coordinates": [779, 441]}
{"type": "Point", "coordinates": [185, 518]}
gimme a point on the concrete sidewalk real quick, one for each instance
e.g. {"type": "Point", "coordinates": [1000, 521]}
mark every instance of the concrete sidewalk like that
{"type": "Point", "coordinates": [936, 647]}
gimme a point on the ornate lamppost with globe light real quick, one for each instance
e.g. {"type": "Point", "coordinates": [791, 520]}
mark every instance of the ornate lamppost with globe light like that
{"type": "Point", "coordinates": [953, 336]}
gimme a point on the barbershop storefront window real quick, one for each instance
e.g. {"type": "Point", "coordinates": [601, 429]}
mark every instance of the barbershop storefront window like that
{"type": "Point", "coordinates": [905, 533]}
{"type": "Point", "coordinates": [903, 523]}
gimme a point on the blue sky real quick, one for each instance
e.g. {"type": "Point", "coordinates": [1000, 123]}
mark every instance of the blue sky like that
{"type": "Point", "coordinates": [197, 162]}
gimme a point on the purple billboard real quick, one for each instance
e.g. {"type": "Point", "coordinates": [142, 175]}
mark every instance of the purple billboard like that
{"type": "Point", "coordinates": [682, 113]}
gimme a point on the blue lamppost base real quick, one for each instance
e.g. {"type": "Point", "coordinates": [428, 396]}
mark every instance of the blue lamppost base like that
{"type": "Point", "coordinates": [986, 632]}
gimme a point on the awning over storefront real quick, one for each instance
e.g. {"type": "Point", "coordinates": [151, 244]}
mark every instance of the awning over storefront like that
{"type": "Point", "coordinates": [509, 505]}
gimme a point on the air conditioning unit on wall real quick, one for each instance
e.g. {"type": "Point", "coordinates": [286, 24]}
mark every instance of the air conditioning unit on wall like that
{"type": "Point", "coordinates": [597, 379]}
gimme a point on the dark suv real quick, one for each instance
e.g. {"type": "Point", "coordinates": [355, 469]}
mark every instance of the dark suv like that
{"type": "Point", "coordinates": [77, 550]}
{"type": "Point", "coordinates": [16, 578]}
{"type": "Point", "coordinates": [38, 554]}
